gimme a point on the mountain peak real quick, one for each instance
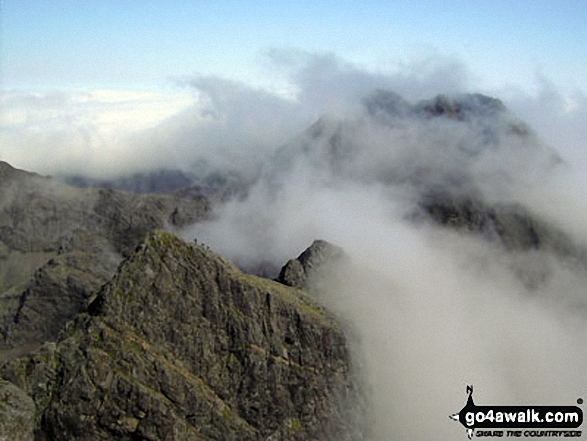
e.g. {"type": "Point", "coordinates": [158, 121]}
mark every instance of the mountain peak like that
{"type": "Point", "coordinates": [460, 107]}
{"type": "Point", "coordinates": [182, 345]}
{"type": "Point", "coordinates": [298, 272]}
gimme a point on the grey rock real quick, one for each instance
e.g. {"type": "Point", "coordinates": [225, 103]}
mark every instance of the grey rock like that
{"type": "Point", "coordinates": [461, 107]}
{"type": "Point", "coordinates": [59, 245]}
{"type": "Point", "coordinates": [509, 224]}
{"type": "Point", "coordinates": [17, 413]}
{"type": "Point", "coordinates": [182, 345]}
{"type": "Point", "coordinates": [298, 272]}
{"type": "Point", "coordinates": [58, 291]}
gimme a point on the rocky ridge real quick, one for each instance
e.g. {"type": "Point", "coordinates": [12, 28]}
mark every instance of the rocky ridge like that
{"type": "Point", "coordinates": [181, 345]}
{"type": "Point", "coordinates": [59, 244]}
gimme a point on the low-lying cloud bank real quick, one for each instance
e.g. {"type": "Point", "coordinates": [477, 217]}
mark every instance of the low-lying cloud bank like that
{"type": "Point", "coordinates": [108, 133]}
{"type": "Point", "coordinates": [105, 133]}
{"type": "Point", "coordinates": [349, 156]}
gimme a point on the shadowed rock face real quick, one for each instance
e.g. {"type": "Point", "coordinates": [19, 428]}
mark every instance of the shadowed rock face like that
{"type": "Point", "coordinates": [510, 225]}
{"type": "Point", "coordinates": [298, 272]}
{"type": "Point", "coordinates": [178, 345]}
{"type": "Point", "coordinates": [181, 345]}
{"type": "Point", "coordinates": [59, 244]}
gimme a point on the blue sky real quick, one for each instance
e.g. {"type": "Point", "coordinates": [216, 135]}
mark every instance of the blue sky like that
{"type": "Point", "coordinates": [66, 44]}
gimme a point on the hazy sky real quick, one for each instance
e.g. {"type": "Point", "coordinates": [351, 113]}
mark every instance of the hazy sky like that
{"type": "Point", "coordinates": [66, 44]}
{"type": "Point", "coordinates": [80, 79]}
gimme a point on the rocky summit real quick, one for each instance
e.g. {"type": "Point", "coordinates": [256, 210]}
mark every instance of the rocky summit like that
{"type": "Point", "coordinates": [182, 345]}
{"type": "Point", "coordinates": [298, 272]}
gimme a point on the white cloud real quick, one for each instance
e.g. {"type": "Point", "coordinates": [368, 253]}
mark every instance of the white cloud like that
{"type": "Point", "coordinates": [82, 132]}
{"type": "Point", "coordinates": [432, 310]}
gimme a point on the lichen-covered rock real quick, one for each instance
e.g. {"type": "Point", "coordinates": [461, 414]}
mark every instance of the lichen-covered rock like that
{"type": "Point", "coordinates": [182, 345]}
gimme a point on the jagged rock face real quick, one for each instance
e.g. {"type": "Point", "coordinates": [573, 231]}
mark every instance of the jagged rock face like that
{"type": "Point", "coordinates": [299, 272]}
{"type": "Point", "coordinates": [59, 244]}
{"type": "Point", "coordinates": [42, 214]}
{"type": "Point", "coordinates": [511, 225]}
{"type": "Point", "coordinates": [459, 107]}
{"type": "Point", "coordinates": [57, 292]}
{"type": "Point", "coordinates": [182, 345]}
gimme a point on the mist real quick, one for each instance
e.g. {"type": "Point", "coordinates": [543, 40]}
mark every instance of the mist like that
{"type": "Point", "coordinates": [428, 309]}
{"type": "Point", "coordinates": [346, 155]}
{"type": "Point", "coordinates": [202, 122]}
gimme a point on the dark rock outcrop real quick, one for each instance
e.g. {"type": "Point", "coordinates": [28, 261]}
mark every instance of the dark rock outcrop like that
{"type": "Point", "coordinates": [508, 224]}
{"type": "Point", "coordinates": [58, 291]}
{"type": "Point", "coordinates": [298, 272]}
{"type": "Point", "coordinates": [460, 107]}
{"type": "Point", "coordinates": [181, 345]}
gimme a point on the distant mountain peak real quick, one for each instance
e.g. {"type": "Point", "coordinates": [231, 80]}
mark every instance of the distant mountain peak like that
{"type": "Point", "coordinates": [460, 106]}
